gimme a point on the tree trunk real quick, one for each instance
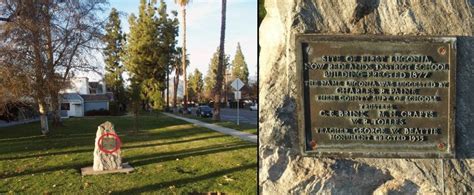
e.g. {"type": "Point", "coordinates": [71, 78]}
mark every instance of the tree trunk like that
{"type": "Point", "coordinates": [185, 94]}
{"type": "Point", "coordinates": [43, 116]}
{"type": "Point", "coordinates": [225, 89]}
{"type": "Point", "coordinates": [135, 109]}
{"type": "Point", "coordinates": [135, 121]}
{"type": "Point", "coordinates": [199, 97]}
{"type": "Point", "coordinates": [168, 87]}
{"type": "Point", "coordinates": [53, 93]}
{"type": "Point", "coordinates": [56, 110]}
{"type": "Point", "coordinates": [40, 82]}
{"type": "Point", "coordinates": [220, 67]}
{"type": "Point", "coordinates": [175, 91]}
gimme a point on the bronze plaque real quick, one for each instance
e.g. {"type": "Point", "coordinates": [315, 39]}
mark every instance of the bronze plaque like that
{"type": "Point", "coordinates": [109, 143]}
{"type": "Point", "coordinates": [376, 96]}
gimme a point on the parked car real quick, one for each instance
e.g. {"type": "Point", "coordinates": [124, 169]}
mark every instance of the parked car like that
{"type": "Point", "coordinates": [254, 107]}
{"type": "Point", "coordinates": [204, 111]}
{"type": "Point", "coordinates": [188, 110]}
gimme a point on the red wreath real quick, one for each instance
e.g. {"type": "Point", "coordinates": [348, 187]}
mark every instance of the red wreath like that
{"type": "Point", "coordinates": [117, 146]}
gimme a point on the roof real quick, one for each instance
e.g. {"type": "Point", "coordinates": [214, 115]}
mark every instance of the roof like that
{"type": "Point", "coordinates": [96, 97]}
{"type": "Point", "coordinates": [71, 96]}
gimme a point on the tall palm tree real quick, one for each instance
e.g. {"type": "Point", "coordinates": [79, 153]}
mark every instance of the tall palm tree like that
{"type": "Point", "coordinates": [178, 70]}
{"type": "Point", "coordinates": [220, 68]}
{"type": "Point", "coordinates": [182, 4]}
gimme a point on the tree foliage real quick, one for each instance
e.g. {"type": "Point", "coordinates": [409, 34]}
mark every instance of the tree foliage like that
{"type": "Point", "coordinates": [196, 85]}
{"type": "Point", "coordinates": [150, 46]}
{"type": "Point", "coordinates": [113, 51]}
{"type": "Point", "coordinates": [211, 76]}
{"type": "Point", "coordinates": [239, 66]}
{"type": "Point", "coordinates": [182, 3]}
{"type": "Point", "coordinates": [49, 40]}
{"type": "Point", "coordinates": [178, 71]}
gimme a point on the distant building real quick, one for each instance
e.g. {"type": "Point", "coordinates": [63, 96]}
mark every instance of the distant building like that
{"type": "Point", "coordinates": [83, 96]}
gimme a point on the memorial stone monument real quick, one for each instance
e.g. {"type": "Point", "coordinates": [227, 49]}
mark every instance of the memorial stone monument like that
{"type": "Point", "coordinates": [107, 148]}
{"type": "Point", "coordinates": [371, 97]}
{"type": "Point", "coordinates": [107, 153]}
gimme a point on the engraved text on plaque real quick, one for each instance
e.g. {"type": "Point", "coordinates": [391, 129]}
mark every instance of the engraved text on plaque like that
{"type": "Point", "coordinates": [376, 96]}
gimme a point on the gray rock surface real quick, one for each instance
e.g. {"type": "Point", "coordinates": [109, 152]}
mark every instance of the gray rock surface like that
{"type": "Point", "coordinates": [283, 170]}
{"type": "Point", "coordinates": [105, 161]}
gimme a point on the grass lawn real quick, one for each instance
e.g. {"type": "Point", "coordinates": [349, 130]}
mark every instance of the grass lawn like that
{"type": "Point", "coordinates": [170, 157]}
{"type": "Point", "coordinates": [244, 127]}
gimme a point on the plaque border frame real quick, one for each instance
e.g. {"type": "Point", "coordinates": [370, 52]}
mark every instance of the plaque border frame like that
{"type": "Point", "coordinates": [450, 151]}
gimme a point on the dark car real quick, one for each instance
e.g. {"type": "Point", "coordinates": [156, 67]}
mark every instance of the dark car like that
{"type": "Point", "coordinates": [188, 110]}
{"type": "Point", "coordinates": [204, 111]}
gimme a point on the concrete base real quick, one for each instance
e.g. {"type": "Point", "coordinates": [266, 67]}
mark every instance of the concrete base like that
{"type": "Point", "coordinates": [126, 168]}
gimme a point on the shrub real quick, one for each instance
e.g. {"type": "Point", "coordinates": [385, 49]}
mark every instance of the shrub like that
{"type": "Point", "coordinates": [115, 109]}
{"type": "Point", "coordinates": [101, 112]}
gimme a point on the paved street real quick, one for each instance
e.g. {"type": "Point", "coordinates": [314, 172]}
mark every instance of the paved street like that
{"type": "Point", "coordinates": [246, 116]}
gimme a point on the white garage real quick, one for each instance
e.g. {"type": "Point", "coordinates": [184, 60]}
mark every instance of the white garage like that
{"type": "Point", "coordinates": [72, 105]}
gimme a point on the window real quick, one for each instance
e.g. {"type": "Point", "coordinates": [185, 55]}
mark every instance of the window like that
{"type": "Point", "coordinates": [64, 106]}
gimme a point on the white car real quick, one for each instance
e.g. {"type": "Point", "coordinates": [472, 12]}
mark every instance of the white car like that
{"type": "Point", "coordinates": [254, 107]}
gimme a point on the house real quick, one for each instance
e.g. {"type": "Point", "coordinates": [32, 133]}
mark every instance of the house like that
{"type": "Point", "coordinates": [72, 104]}
{"type": "Point", "coordinates": [96, 102]}
{"type": "Point", "coordinates": [83, 96]}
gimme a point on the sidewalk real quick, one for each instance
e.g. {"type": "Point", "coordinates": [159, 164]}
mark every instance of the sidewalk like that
{"type": "Point", "coordinates": [13, 123]}
{"type": "Point", "coordinates": [244, 136]}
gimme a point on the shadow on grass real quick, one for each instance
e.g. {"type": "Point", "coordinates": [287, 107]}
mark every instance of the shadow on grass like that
{"type": "Point", "coordinates": [87, 139]}
{"type": "Point", "coordinates": [144, 159]}
{"type": "Point", "coordinates": [87, 124]}
{"type": "Point", "coordinates": [27, 138]}
{"type": "Point", "coordinates": [47, 154]}
{"type": "Point", "coordinates": [181, 154]}
{"type": "Point", "coordinates": [125, 147]}
{"type": "Point", "coordinates": [186, 181]}
{"type": "Point", "coordinates": [174, 142]}
{"type": "Point", "coordinates": [179, 132]}
{"type": "Point", "coordinates": [75, 166]}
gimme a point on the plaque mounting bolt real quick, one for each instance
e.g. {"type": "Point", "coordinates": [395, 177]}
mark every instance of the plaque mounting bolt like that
{"type": "Point", "coordinates": [313, 144]}
{"type": "Point", "coordinates": [441, 146]}
{"type": "Point", "coordinates": [442, 50]}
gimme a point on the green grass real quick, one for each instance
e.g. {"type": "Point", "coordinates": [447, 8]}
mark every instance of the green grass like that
{"type": "Point", "coordinates": [244, 127]}
{"type": "Point", "coordinates": [170, 157]}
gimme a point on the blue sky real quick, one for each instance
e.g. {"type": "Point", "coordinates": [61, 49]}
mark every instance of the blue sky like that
{"type": "Point", "coordinates": [203, 29]}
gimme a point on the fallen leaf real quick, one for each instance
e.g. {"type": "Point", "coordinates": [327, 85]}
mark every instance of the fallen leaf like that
{"type": "Point", "coordinates": [226, 178]}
